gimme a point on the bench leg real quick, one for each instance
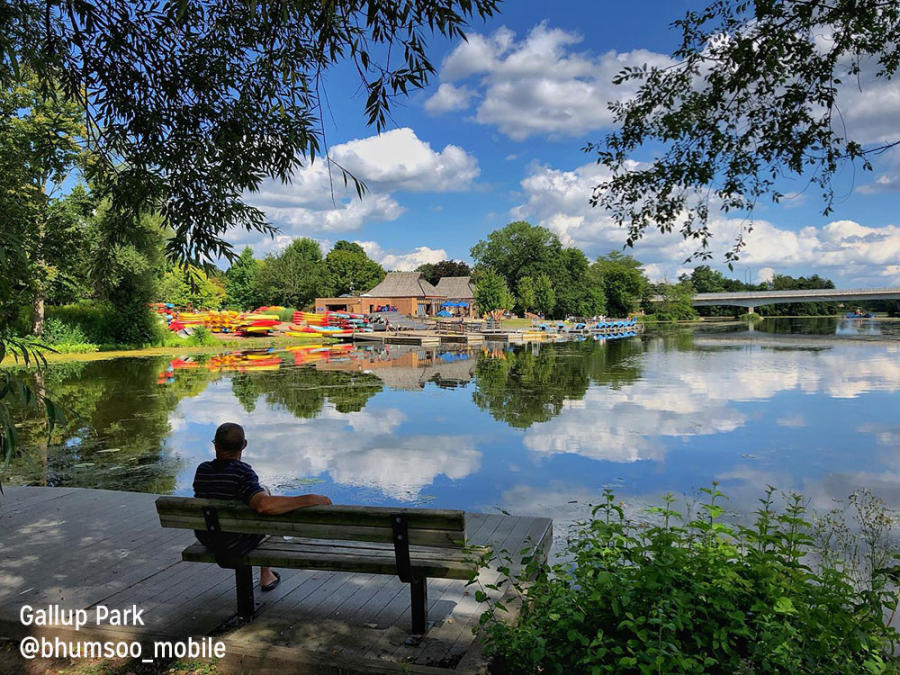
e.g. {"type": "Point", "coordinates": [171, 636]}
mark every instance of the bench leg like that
{"type": "Point", "coordinates": [243, 582]}
{"type": "Point", "coordinates": [418, 592]}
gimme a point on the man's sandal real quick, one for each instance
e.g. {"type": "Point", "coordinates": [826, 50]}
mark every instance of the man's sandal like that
{"type": "Point", "coordinates": [273, 585]}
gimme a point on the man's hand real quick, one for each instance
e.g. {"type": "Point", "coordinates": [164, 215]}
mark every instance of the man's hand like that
{"type": "Point", "coordinates": [274, 506]}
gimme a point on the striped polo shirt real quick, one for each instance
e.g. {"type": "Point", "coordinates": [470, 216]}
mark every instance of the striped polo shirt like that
{"type": "Point", "coordinates": [227, 479]}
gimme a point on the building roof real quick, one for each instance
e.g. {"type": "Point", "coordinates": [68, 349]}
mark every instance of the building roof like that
{"type": "Point", "coordinates": [403, 285]}
{"type": "Point", "coordinates": [456, 287]}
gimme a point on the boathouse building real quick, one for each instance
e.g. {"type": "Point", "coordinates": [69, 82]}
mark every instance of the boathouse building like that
{"type": "Point", "coordinates": [407, 292]}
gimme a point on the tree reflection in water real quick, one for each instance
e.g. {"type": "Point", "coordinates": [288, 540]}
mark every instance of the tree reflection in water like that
{"type": "Point", "coordinates": [531, 383]}
{"type": "Point", "coordinates": [120, 410]}
{"type": "Point", "coordinates": [117, 424]}
{"type": "Point", "coordinates": [119, 416]}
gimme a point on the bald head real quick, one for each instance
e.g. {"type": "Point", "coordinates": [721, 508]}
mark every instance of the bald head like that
{"type": "Point", "coordinates": [230, 440]}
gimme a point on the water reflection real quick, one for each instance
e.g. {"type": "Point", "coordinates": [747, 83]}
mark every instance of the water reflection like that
{"type": "Point", "coordinates": [538, 429]}
{"type": "Point", "coordinates": [829, 325]}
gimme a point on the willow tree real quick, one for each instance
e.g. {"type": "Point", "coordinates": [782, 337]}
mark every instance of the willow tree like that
{"type": "Point", "coordinates": [191, 104]}
{"type": "Point", "coordinates": [754, 93]}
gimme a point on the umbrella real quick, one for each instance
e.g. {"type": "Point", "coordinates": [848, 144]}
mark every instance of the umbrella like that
{"type": "Point", "coordinates": [449, 303]}
{"type": "Point", "coordinates": [462, 304]}
{"type": "Point", "coordinates": [444, 312]}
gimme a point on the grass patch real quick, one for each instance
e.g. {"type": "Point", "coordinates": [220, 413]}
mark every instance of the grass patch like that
{"type": "Point", "coordinates": [522, 323]}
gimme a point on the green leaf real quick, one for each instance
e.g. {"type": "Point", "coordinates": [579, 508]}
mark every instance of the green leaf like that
{"type": "Point", "coordinates": [784, 605]}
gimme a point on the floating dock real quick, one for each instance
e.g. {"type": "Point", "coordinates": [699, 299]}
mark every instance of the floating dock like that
{"type": "Point", "coordinates": [386, 338]}
{"type": "Point", "coordinates": [461, 338]}
{"type": "Point", "coordinates": [79, 548]}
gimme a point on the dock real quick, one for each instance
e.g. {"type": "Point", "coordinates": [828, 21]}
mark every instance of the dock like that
{"type": "Point", "coordinates": [420, 338]}
{"type": "Point", "coordinates": [417, 339]}
{"type": "Point", "coordinates": [461, 339]}
{"type": "Point", "coordinates": [81, 548]}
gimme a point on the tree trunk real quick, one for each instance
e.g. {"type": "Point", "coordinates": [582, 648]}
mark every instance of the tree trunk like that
{"type": "Point", "coordinates": [37, 303]}
{"type": "Point", "coordinates": [37, 311]}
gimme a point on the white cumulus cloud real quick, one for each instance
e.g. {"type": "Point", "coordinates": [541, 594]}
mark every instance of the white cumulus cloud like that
{"type": "Point", "coordinates": [317, 201]}
{"type": "Point", "coordinates": [764, 275]}
{"type": "Point", "coordinates": [537, 85]}
{"type": "Point", "coordinates": [400, 261]}
{"type": "Point", "coordinates": [448, 98]}
{"type": "Point", "coordinates": [851, 253]}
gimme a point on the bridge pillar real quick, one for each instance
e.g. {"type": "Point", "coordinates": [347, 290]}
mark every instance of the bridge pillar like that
{"type": "Point", "coordinates": [750, 310]}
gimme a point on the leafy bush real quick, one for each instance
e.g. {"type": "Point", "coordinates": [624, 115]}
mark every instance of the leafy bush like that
{"type": "Point", "coordinates": [134, 325]}
{"type": "Point", "coordinates": [58, 332]}
{"type": "Point", "coordinates": [202, 336]}
{"type": "Point", "coordinates": [102, 324]}
{"type": "Point", "coordinates": [286, 314]}
{"type": "Point", "coordinates": [89, 319]}
{"type": "Point", "coordinates": [693, 594]}
{"type": "Point", "coordinates": [669, 316]}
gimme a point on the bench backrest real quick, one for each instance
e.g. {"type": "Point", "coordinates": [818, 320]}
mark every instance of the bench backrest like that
{"type": "Point", "coordinates": [425, 527]}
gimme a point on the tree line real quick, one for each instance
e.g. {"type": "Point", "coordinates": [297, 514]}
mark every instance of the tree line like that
{"type": "Point", "coordinates": [525, 268]}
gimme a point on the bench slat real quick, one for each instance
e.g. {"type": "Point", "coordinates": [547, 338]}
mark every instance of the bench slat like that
{"type": "Point", "coordinates": [375, 548]}
{"type": "Point", "coordinates": [366, 516]}
{"type": "Point", "coordinates": [299, 556]}
{"type": "Point", "coordinates": [263, 525]}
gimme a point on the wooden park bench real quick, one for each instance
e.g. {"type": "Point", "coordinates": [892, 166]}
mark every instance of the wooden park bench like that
{"type": "Point", "coordinates": [414, 544]}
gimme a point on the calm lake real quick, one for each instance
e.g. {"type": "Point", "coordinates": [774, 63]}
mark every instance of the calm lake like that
{"type": "Point", "coordinates": [811, 405]}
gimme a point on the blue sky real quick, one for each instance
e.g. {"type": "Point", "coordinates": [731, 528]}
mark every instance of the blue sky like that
{"type": "Point", "coordinates": [497, 137]}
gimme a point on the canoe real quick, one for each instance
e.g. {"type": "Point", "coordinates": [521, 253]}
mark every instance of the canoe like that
{"type": "Point", "coordinates": [260, 317]}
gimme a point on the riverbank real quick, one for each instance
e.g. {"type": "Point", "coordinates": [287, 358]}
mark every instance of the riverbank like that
{"type": "Point", "coordinates": [222, 345]}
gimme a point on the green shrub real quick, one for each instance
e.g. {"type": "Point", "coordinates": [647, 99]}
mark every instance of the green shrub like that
{"type": "Point", "coordinates": [202, 336]}
{"type": "Point", "coordinates": [102, 324]}
{"type": "Point", "coordinates": [58, 332]}
{"type": "Point", "coordinates": [90, 319]}
{"type": "Point", "coordinates": [685, 594]}
{"type": "Point", "coordinates": [134, 325]}
{"type": "Point", "coordinates": [286, 314]}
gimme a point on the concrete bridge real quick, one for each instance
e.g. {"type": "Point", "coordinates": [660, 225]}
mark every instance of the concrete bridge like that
{"type": "Point", "coordinates": [753, 299]}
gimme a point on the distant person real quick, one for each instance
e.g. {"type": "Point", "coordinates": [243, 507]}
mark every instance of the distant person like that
{"type": "Point", "coordinates": [227, 477]}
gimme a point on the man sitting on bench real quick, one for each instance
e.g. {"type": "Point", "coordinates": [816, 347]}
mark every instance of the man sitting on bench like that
{"type": "Point", "coordinates": [227, 477]}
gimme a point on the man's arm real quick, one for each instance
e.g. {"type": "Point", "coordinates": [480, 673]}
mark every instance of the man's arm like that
{"type": "Point", "coordinates": [268, 505]}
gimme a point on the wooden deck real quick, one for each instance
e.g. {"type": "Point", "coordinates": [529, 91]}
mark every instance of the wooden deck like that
{"type": "Point", "coordinates": [78, 548]}
{"type": "Point", "coordinates": [419, 339]}
{"type": "Point", "coordinates": [462, 338]}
